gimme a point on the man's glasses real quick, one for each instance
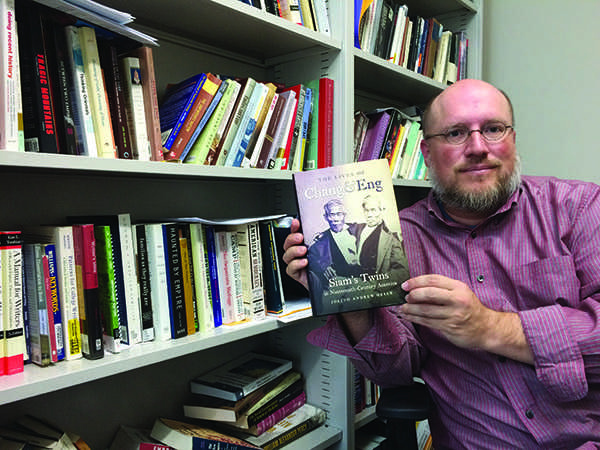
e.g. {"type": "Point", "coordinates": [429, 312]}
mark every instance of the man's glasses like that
{"type": "Point", "coordinates": [491, 132]}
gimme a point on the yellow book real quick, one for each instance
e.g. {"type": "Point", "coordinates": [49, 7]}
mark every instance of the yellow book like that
{"type": "Point", "coordinates": [98, 100]}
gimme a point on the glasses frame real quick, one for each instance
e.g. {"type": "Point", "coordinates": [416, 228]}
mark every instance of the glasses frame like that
{"type": "Point", "coordinates": [469, 132]}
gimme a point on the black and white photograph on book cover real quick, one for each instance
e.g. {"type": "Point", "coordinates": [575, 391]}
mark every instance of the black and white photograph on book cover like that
{"type": "Point", "coordinates": [349, 219]}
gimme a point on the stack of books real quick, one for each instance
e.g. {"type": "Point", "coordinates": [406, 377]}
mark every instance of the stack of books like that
{"type": "Point", "coordinates": [312, 14]}
{"type": "Point", "coordinates": [257, 398]}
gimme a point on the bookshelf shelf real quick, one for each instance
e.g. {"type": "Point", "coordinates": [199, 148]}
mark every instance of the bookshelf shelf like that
{"type": "Point", "coordinates": [231, 38]}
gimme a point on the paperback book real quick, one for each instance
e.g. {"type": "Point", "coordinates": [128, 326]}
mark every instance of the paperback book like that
{"type": "Point", "coordinates": [350, 222]}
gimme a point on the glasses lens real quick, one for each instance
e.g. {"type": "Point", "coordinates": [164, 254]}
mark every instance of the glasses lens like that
{"type": "Point", "coordinates": [457, 135]}
{"type": "Point", "coordinates": [494, 131]}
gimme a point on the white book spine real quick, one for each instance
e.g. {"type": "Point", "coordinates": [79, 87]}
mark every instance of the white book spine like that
{"type": "Point", "coordinates": [224, 262]}
{"type": "Point", "coordinates": [238, 115]}
{"type": "Point", "coordinates": [261, 137]}
{"type": "Point", "coordinates": [82, 112]}
{"type": "Point", "coordinates": [237, 290]}
{"type": "Point", "coordinates": [132, 291]}
{"type": "Point", "coordinates": [201, 278]}
{"type": "Point", "coordinates": [10, 89]}
{"type": "Point", "coordinates": [257, 299]}
{"type": "Point", "coordinates": [322, 13]}
{"type": "Point", "coordinates": [134, 102]}
{"type": "Point", "coordinates": [287, 125]}
{"type": "Point", "coordinates": [67, 284]}
{"type": "Point", "coordinates": [105, 142]}
{"type": "Point", "coordinates": [158, 282]}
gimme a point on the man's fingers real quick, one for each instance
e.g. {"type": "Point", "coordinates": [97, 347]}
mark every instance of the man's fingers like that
{"type": "Point", "coordinates": [429, 280]}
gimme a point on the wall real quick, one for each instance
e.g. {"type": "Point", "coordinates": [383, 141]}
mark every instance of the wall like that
{"type": "Point", "coordinates": [544, 54]}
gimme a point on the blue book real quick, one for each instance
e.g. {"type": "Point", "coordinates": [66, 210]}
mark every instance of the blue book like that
{"type": "Point", "coordinates": [174, 280]}
{"type": "Point", "coordinates": [211, 108]}
{"type": "Point", "coordinates": [214, 280]}
{"type": "Point", "coordinates": [50, 251]}
{"type": "Point", "coordinates": [176, 107]}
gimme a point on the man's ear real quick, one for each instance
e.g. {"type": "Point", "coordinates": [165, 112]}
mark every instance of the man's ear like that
{"type": "Point", "coordinates": [425, 151]}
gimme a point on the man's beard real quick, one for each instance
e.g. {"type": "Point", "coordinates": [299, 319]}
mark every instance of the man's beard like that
{"type": "Point", "coordinates": [488, 201]}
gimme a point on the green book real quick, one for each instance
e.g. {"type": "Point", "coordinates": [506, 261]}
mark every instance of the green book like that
{"type": "Point", "coordinates": [312, 140]}
{"type": "Point", "coordinates": [411, 145]}
{"type": "Point", "coordinates": [107, 288]}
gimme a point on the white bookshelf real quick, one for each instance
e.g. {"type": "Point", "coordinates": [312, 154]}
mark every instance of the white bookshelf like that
{"type": "Point", "coordinates": [225, 37]}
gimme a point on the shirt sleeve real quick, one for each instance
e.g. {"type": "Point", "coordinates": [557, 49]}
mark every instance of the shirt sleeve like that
{"type": "Point", "coordinates": [390, 354]}
{"type": "Point", "coordinates": [565, 338]}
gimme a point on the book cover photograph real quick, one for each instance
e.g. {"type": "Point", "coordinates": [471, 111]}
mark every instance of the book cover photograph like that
{"type": "Point", "coordinates": [350, 223]}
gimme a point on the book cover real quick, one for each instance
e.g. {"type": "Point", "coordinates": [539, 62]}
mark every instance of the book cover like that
{"type": "Point", "coordinates": [135, 108]}
{"type": "Point", "coordinates": [107, 288]}
{"type": "Point", "coordinates": [11, 254]}
{"type": "Point", "coordinates": [105, 142]}
{"type": "Point", "coordinates": [146, 57]}
{"type": "Point", "coordinates": [131, 438]}
{"type": "Point", "coordinates": [114, 82]}
{"type": "Point", "coordinates": [240, 377]}
{"type": "Point", "coordinates": [82, 112]}
{"type": "Point", "coordinates": [192, 436]}
{"type": "Point", "coordinates": [90, 318]}
{"type": "Point", "coordinates": [350, 222]}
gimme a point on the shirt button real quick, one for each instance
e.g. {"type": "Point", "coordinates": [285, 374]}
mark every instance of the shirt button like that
{"type": "Point", "coordinates": [473, 234]}
{"type": "Point", "coordinates": [480, 278]}
{"type": "Point", "coordinates": [529, 414]}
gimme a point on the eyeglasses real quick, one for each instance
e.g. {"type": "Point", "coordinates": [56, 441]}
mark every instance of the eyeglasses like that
{"type": "Point", "coordinates": [491, 132]}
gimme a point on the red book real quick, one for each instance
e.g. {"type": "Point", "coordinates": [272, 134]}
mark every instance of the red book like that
{"type": "Point", "coordinates": [325, 139]}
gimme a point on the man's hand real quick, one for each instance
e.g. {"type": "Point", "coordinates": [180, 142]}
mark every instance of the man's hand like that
{"type": "Point", "coordinates": [451, 307]}
{"type": "Point", "coordinates": [295, 254]}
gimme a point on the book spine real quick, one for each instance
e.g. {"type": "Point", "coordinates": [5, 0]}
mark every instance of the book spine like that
{"type": "Point", "coordinates": [143, 270]}
{"type": "Point", "coordinates": [201, 278]}
{"type": "Point", "coordinates": [10, 83]}
{"type": "Point", "coordinates": [263, 132]}
{"type": "Point", "coordinates": [174, 281]}
{"type": "Point", "coordinates": [254, 299]}
{"type": "Point", "coordinates": [251, 150]}
{"type": "Point", "coordinates": [273, 293]}
{"type": "Point", "coordinates": [11, 252]}
{"type": "Point", "coordinates": [134, 106]}
{"type": "Point", "coordinates": [217, 142]}
{"type": "Point", "coordinates": [312, 140]}
{"type": "Point", "coordinates": [47, 298]}
{"type": "Point", "coordinates": [116, 101]}
{"type": "Point", "coordinates": [246, 127]}
{"type": "Point", "coordinates": [38, 109]}
{"type": "Point", "coordinates": [67, 282]}
{"type": "Point", "coordinates": [296, 137]}
{"type": "Point", "coordinates": [191, 315]}
{"type": "Point", "coordinates": [225, 276]}
{"type": "Point", "coordinates": [322, 13]}
{"type": "Point", "coordinates": [151, 110]}
{"type": "Point", "coordinates": [34, 291]}
{"type": "Point", "coordinates": [87, 285]}
{"type": "Point", "coordinates": [82, 112]}
{"type": "Point", "coordinates": [280, 413]}
{"type": "Point", "coordinates": [276, 159]}
{"type": "Point", "coordinates": [103, 132]}
{"type": "Point", "coordinates": [158, 282]}
{"type": "Point", "coordinates": [325, 146]}
{"type": "Point", "coordinates": [54, 301]}
{"type": "Point", "coordinates": [298, 160]}
{"type": "Point", "coordinates": [126, 268]}
{"type": "Point", "coordinates": [238, 298]}
{"type": "Point", "coordinates": [107, 287]}
{"type": "Point", "coordinates": [283, 155]}
{"type": "Point", "coordinates": [268, 142]}
{"type": "Point", "coordinates": [214, 277]}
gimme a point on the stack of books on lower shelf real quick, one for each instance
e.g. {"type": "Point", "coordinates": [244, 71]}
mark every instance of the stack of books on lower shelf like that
{"type": "Point", "coordinates": [30, 432]}
{"type": "Point", "coordinates": [257, 399]}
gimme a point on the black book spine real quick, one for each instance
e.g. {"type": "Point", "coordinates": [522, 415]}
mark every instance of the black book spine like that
{"type": "Point", "coordinates": [273, 294]}
{"type": "Point", "coordinates": [143, 270]}
{"type": "Point", "coordinates": [175, 281]}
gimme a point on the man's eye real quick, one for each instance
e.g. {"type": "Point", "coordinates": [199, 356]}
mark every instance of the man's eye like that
{"type": "Point", "coordinates": [456, 132]}
{"type": "Point", "coordinates": [493, 128]}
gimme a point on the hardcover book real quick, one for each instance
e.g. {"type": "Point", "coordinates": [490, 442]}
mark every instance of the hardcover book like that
{"type": "Point", "coordinates": [350, 222]}
{"type": "Point", "coordinates": [240, 377]}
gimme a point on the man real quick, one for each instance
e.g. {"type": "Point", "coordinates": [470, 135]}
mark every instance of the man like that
{"type": "Point", "coordinates": [333, 251]}
{"type": "Point", "coordinates": [502, 318]}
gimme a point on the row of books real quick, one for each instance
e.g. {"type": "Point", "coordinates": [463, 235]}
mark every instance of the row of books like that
{"type": "Point", "coordinates": [422, 45]}
{"type": "Point", "coordinates": [103, 283]}
{"type": "Point", "coordinates": [391, 134]}
{"type": "Point", "coordinates": [79, 94]}
{"type": "Point", "coordinates": [312, 14]}
{"type": "Point", "coordinates": [215, 120]}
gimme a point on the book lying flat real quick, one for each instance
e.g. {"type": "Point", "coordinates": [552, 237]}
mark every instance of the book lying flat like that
{"type": "Point", "coordinates": [350, 223]}
{"type": "Point", "coordinates": [240, 377]}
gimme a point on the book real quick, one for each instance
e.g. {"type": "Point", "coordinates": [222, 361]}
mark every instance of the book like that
{"type": "Point", "coordinates": [226, 248]}
{"type": "Point", "coordinates": [321, 8]}
{"type": "Point", "coordinates": [132, 438]}
{"type": "Point", "coordinates": [11, 254]}
{"type": "Point", "coordinates": [107, 288]}
{"type": "Point", "coordinates": [299, 156]}
{"type": "Point", "coordinates": [213, 271]}
{"type": "Point", "coordinates": [34, 426]}
{"type": "Point", "coordinates": [82, 112]}
{"type": "Point", "coordinates": [143, 274]}
{"type": "Point", "coordinates": [90, 318]}
{"type": "Point", "coordinates": [159, 288]}
{"type": "Point", "coordinates": [202, 286]}
{"type": "Point", "coordinates": [187, 274]}
{"type": "Point", "coordinates": [325, 123]}
{"type": "Point", "coordinates": [53, 303]}
{"type": "Point", "coordinates": [365, 265]}
{"type": "Point", "coordinates": [115, 90]}
{"type": "Point", "coordinates": [186, 136]}
{"type": "Point", "coordinates": [300, 422]}
{"type": "Point", "coordinates": [151, 110]}
{"type": "Point", "coordinates": [173, 264]}
{"type": "Point", "coordinates": [192, 436]}
{"type": "Point", "coordinates": [257, 135]}
{"type": "Point", "coordinates": [374, 136]}
{"type": "Point", "coordinates": [39, 120]}
{"type": "Point", "coordinates": [249, 409]}
{"type": "Point", "coordinates": [274, 298]}
{"type": "Point", "coordinates": [294, 127]}
{"type": "Point", "coordinates": [10, 82]}
{"type": "Point", "coordinates": [411, 146]}
{"type": "Point", "coordinates": [105, 142]}
{"type": "Point", "coordinates": [268, 147]}
{"type": "Point", "coordinates": [240, 377]}
{"type": "Point", "coordinates": [134, 106]}
{"type": "Point", "coordinates": [278, 147]}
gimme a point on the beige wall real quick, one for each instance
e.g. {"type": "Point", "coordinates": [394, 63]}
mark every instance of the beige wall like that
{"type": "Point", "coordinates": [546, 55]}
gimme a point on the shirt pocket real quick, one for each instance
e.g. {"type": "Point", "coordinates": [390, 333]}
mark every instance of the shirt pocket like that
{"type": "Point", "coordinates": [547, 282]}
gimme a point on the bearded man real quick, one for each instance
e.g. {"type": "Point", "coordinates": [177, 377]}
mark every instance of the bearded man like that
{"type": "Point", "coordinates": [502, 319]}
